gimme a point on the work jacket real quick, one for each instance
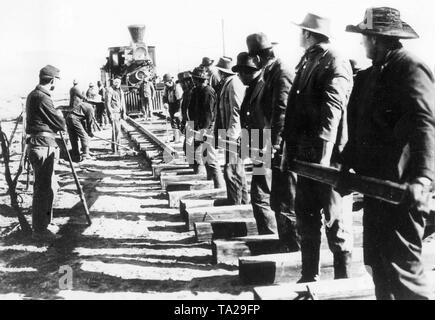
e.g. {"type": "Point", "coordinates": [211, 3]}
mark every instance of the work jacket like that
{"type": "Point", "coordinates": [278, 80]}
{"type": "Point", "coordinates": [115, 101]}
{"type": "Point", "coordinates": [76, 96]}
{"type": "Point", "coordinates": [173, 94]}
{"type": "Point", "coordinates": [214, 79]}
{"type": "Point", "coordinates": [92, 94]}
{"type": "Point", "coordinates": [253, 116]}
{"type": "Point", "coordinates": [316, 111]}
{"type": "Point", "coordinates": [392, 120]}
{"type": "Point", "coordinates": [42, 117]}
{"type": "Point", "coordinates": [202, 108]}
{"type": "Point", "coordinates": [147, 90]}
{"type": "Point", "coordinates": [229, 104]}
{"type": "Point", "coordinates": [85, 113]}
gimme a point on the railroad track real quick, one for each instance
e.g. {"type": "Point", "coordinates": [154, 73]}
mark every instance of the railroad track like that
{"type": "Point", "coordinates": [152, 139]}
{"type": "Point", "coordinates": [231, 231]}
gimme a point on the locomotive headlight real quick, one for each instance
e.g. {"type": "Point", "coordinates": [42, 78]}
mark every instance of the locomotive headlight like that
{"type": "Point", "coordinates": [140, 53]}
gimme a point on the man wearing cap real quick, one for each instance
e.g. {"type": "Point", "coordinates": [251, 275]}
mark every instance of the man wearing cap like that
{"type": "Point", "coordinates": [115, 106]}
{"type": "Point", "coordinates": [228, 128]}
{"type": "Point", "coordinates": [214, 79]}
{"type": "Point", "coordinates": [392, 137]}
{"type": "Point", "coordinates": [75, 94]}
{"type": "Point", "coordinates": [43, 122]}
{"type": "Point", "coordinates": [172, 97]}
{"type": "Point", "coordinates": [256, 125]}
{"type": "Point", "coordinates": [202, 112]}
{"type": "Point", "coordinates": [278, 80]}
{"type": "Point", "coordinates": [147, 93]}
{"type": "Point", "coordinates": [316, 131]}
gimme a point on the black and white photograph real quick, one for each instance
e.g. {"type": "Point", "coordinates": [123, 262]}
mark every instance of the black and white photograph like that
{"type": "Point", "coordinates": [217, 154]}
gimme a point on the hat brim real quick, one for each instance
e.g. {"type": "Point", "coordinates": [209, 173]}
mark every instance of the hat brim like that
{"type": "Point", "coordinates": [198, 77]}
{"type": "Point", "coordinates": [312, 30]}
{"type": "Point", "coordinates": [406, 33]}
{"type": "Point", "coordinates": [208, 64]}
{"type": "Point", "coordinates": [238, 68]}
{"type": "Point", "coordinates": [228, 71]}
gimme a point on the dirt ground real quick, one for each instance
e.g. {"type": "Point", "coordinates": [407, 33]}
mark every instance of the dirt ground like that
{"type": "Point", "coordinates": [136, 247]}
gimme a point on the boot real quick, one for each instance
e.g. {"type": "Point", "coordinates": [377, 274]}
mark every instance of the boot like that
{"type": "Point", "coordinates": [342, 264]}
{"type": "Point", "coordinates": [310, 260]}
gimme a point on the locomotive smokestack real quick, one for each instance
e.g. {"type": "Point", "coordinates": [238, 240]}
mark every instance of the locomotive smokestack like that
{"type": "Point", "coordinates": [137, 33]}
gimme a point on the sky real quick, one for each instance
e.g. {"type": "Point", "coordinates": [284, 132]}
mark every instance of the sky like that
{"type": "Point", "coordinates": [74, 35]}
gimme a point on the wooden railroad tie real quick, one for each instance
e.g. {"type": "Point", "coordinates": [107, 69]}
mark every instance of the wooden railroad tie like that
{"type": "Point", "coordinates": [166, 167]}
{"type": "Point", "coordinates": [190, 185]}
{"type": "Point", "coordinates": [174, 197]}
{"type": "Point", "coordinates": [358, 288]}
{"type": "Point", "coordinates": [229, 251]}
{"type": "Point", "coordinates": [224, 229]}
{"type": "Point", "coordinates": [270, 269]}
{"type": "Point", "coordinates": [168, 180]}
{"type": "Point", "coordinates": [203, 214]}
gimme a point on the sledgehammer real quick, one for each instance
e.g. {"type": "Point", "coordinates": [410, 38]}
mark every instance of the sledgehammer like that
{"type": "Point", "coordinates": [76, 179]}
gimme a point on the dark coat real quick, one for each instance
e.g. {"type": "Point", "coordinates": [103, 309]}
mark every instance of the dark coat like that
{"type": "Point", "coordinates": [392, 120]}
{"type": "Point", "coordinates": [278, 81]}
{"type": "Point", "coordinates": [42, 117]}
{"type": "Point", "coordinates": [318, 100]}
{"type": "Point", "coordinates": [252, 113]}
{"type": "Point", "coordinates": [202, 108]}
{"type": "Point", "coordinates": [75, 96]}
{"type": "Point", "coordinates": [85, 113]}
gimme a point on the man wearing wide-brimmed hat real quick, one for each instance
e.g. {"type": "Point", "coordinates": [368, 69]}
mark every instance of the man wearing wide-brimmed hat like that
{"type": "Point", "coordinates": [43, 122]}
{"type": "Point", "coordinates": [202, 112]}
{"type": "Point", "coordinates": [228, 128]}
{"type": "Point", "coordinates": [392, 137]}
{"type": "Point", "coordinates": [278, 80]}
{"type": "Point", "coordinates": [316, 131]}
{"type": "Point", "coordinates": [214, 79]}
{"type": "Point", "coordinates": [256, 125]}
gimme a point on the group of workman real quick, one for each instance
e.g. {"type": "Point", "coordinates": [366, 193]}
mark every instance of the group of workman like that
{"type": "Point", "coordinates": [95, 110]}
{"type": "Point", "coordinates": [379, 122]}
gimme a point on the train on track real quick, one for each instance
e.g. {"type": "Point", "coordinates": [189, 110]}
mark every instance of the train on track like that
{"type": "Point", "coordinates": [133, 64]}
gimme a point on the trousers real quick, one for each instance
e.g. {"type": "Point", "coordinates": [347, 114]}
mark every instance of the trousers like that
{"type": "Point", "coordinates": [206, 156]}
{"type": "Point", "coordinates": [116, 131]}
{"type": "Point", "coordinates": [260, 199]}
{"type": "Point", "coordinates": [282, 202]}
{"type": "Point", "coordinates": [45, 186]}
{"type": "Point", "coordinates": [235, 180]}
{"type": "Point", "coordinates": [146, 110]}
{"type": "Point", "coordinates": [77, 132]}
{"type": "Point", "coordinates": [175, 120]}
{"type": "Point", "coordinates": [393, 241]}
{"type": "Point", "coordinates": [101, 114]}
{"type": "Point", "coordinates": [312, 200]}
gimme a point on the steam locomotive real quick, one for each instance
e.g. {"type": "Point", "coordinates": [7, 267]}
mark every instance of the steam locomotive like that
{"type": "Point", "coordinates": [133, 64]}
